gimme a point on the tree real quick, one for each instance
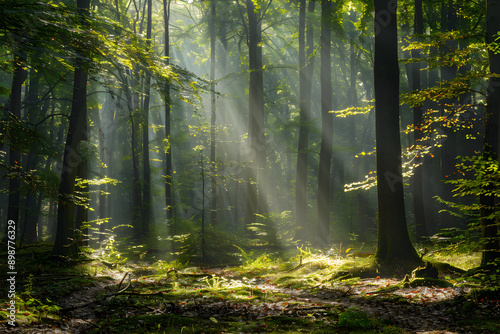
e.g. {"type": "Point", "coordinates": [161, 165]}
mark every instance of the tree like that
{"type": "Point", "coordinates": [256, 137]}
{"type": "Point", "coordinates": [489, 220]}
{"type": "Point", "coordinates": [325, 155]}
{"type": "Point", "coordinates": [146, 169]}
{"type": "Point", "coordinates": [64, 244]}
{"type": "Point", "coordinates": [18, 79]}
{"type": "Point", "coordinates": [306, 66]}
{"type": "Point", "coordinates": [168, 144]}
{"type": "Point", "coordinates": [213, 181]}
{"type": "Point", "coordinates": [393, 239]}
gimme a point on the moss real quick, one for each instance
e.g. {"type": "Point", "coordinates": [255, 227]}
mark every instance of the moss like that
{"type": "Point", "coordinates": [354, 319]}
{"type": "Point", "coordinates": [427, 281]}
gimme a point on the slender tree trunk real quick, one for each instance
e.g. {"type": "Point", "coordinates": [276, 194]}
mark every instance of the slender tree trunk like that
{"type": "Point", "coordinates": [29, 234]}
{"type": "Point", "coordinates": [224, 198]}
{"type": "Point", "coordinates": [256, 136]}
{"type": "Point", "coordinates": [146, 170]}
{"type": "Point", "coordinates": [325, 155]}
{"type": "Point", "coordinates": [306, 65]}
{"type": "Point", "coordinates": [136, 182]}
{"type": "Point", "coordinates": [18, 79]}
{"type": "Point", "coordinates": [168, 154]}
{"type": "Point", "coordinates": [64, 244]}
{"type": "Point", "coordinates": [449, 148]}
{"type": "Point", "coordinates": [393, 240]}
{"type": "Point", "coordinates": [489, 223]}
{"type": "Point", "coordinates": [213, 125]}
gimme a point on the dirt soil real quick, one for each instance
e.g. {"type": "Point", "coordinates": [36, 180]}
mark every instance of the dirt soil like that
{"type": "Point", "coordinates": [416, 310]}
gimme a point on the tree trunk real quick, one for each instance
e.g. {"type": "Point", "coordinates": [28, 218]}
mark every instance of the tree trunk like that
{"type": "Point", "coordinates": [393, 240]}
{"type": "Point", "coordinates": [306, 66]}
{"type": "Point", "coordinates": [136, 181]}
{"type": "Point", "coordinates": [146, 170]}
{"type": "Point", "coordinates": [256, 136]}
{"type": "Point", "coordinates": [168, 154]}
{"type": "Point", "coordinates": [64, 244]}
{"type": "Point", "coordinates": [489, 224]}
{"type": "Point", "coordinates": [448, 106]}
{"type": "Point", "coordinates": [325, 155]}
{"type": "Point", "coordinates": [213, 125]}
{"type": "Point", "coordinates": [31, 215]}
{"type": "Point", "coordinates": [18, 79]}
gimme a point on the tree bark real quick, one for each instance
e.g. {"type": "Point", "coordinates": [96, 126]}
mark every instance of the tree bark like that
{"type": "Point", "coordinates": [168, 154]}
{"type": "Point", "coordinates": [65, 235]}
{"type": "Point", "coordinates": [18, 79]}
{"type": "Point", "coordinates": [306, 65]}
{"type": "Point", "coordinates": [146, 169]}
{"type": "Point", "coordinates": [393, 240]}
{"type": "Point", "coordinates": [256, 136]}
{"type": "Point", "coordinates": [325, 155]}
{"type": "Point", "coordinates": [213, 125]}
{"type": "Point", "coordinates": [489, 224]}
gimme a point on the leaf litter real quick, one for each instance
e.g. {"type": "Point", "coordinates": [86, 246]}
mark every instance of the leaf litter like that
{"type": "Point", "coordinates": [221, 295]}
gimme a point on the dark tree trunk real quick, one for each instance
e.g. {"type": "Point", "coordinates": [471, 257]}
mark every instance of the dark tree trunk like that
{"type": "Point", "coordinates": [18, 79]}
{"type": "Point", "coordinates": [29, 234]}
{"type": "Point", "coordinates": [489, 224]}
{"type": "Point", "coordinates": [306, 65]}
{"type": "Point", "coordinates": [393, 240]}
{"type": "Point", "coordinates": [256, 137]}
{"type": "Point", "coordinates": [64, 244]}
{"type": "Point", "coordinates": [325, 155]}
{"type": "Point", "coordinates": [448, 106]}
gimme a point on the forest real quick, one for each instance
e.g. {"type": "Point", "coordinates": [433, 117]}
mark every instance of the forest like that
{"type": "Point", "coordinates": [249, 166]}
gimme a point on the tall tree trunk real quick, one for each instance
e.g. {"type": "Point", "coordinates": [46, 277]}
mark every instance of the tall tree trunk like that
{"type": "Point", "coordinates": [64, 244]}
{"type": "Point", "coordinates": [31, 215]}
{"type": "Point", "coordinates": [224, 198]}
{"type": "Point", "coordinates": [18, 79]}
{"type": "Point", "coordinates": [449, 148]}
{"type": "Point", "coordinates": [146, 170]}
{"type": "Point", "coordinates": [213, 125]}
{"type": "Point", "coordinates": [418, 195]}
{"type": "Point", "coordinates": [325, 155]}
{"type": "Point", "coordinates": [136, 182]}
{"type": "Point", "coordinates": [256, 136]}
{"type": "Point", "coordinates": [306, 65]}
{"type": "Point", "coordinates": [489, 224]}
{"type": "Point", "coordinates": [168, 154]}
{"type": "Point", "coordinates": [393, 240]}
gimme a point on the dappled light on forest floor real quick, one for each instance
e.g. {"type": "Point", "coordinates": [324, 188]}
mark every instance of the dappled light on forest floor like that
{"type": "Point", "coordinates": [314, 294]}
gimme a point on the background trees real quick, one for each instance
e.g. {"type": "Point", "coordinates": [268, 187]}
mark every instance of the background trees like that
{"type": "Point", "coordinates": [193, 87]}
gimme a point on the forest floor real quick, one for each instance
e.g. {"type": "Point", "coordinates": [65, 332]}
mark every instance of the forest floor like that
{"type": "Point", "coordinates": [311, 293]}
